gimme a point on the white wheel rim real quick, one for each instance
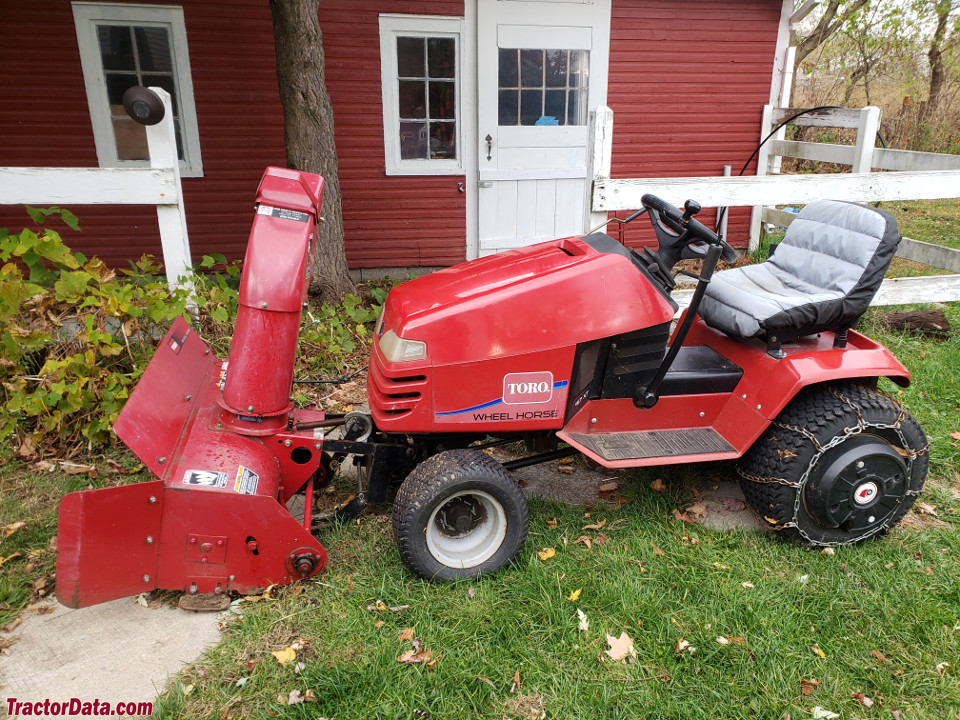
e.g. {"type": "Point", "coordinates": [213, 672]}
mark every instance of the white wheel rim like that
{"type": "Point", "coordinates": [471, 546]}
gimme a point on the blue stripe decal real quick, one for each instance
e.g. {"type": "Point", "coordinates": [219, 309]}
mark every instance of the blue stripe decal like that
{"type": "Point", "coordinates": [559, 385]}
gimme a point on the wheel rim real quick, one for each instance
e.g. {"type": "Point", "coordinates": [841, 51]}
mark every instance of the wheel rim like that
{"type": "Point", "coordinates": [862, 483]}
{"type": "Point", "coordinates": [466, 529]}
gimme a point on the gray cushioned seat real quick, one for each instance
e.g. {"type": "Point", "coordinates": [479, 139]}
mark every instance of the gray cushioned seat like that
{"type": "Point", "coordinates": [822, 276]}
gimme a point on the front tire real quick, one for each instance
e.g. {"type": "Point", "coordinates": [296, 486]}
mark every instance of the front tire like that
{"type": "Point", "coordinates": [841, 463]}
{"type": "Point", "coordinates": [458, 515]}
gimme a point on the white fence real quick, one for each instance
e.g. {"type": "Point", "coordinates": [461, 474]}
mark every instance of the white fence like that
{"type": "Point", "coordinates": [914, 176]}
{"type": "Point", "coordinates": [157, 185]}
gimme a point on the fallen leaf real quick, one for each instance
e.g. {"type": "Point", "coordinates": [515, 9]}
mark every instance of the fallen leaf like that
{"type": "Point", "coordinates": [878, 656]}
{"type": "Point", "coordinates": [546, 554]}
{"type": "Point", "coordinates": [10, 529]}
{"type": "Point", "coordinates": [241, 682]}
{"type": "Point", "coordinates": [820, 713]}
{"type": "Point", "coordinates": [44, 466]}
{"type": "Point", "coordinates": [747, 585]}
{"type": "Point", "coordinates": [187, 689]}
{"type": "Point", "coordinates": [584, 624]}
{"type": "Point", "coordinates": [721, 566]}
{"type": "Point", "coordinates": [295, 697]}
{"type": "Point", "coordinates": [398, 608]}
{"type": "Point", "coordinates": [808, 686]}
{"type": "Point", "coordinates": [585, 540]}
{"type": "Point", "coordinates": [684, 645]}
{"type": "Point", "coordinates": [516, 681]}
{"type": "Point", "coordinates": [941, 667]}
{"type": "Point", "coordinates": [41, 609]}
{"type": "Point", "coordinates": [595, 526]}
{"type": "Point", "coordinates": [722, 640]}
{"type": "Point", "coordinates": [285, 656]}
{"type": "Point", "coordinates": [566, 469]}
{"type": "Point", "coordinates": [696, 510]}
{"type": "Point", "coordinates": [621, 648]}
{"type": "Point", "coordinates": [926, 509]}
{"type": "Point", "coordinates": [26, 449]}
{"type": "Point", "coordinates": [684, 517]}
{"type": "Point", "coordinates": [487, 680]}
{"type": "Point", "coordinates": [12, 625]}
{"type": "Point", "coordinates": [552, 522]}
{"type": "Point", "coordinates": [299, 667]}
{"type": "Point", "coordinates": [471, 593]}
{"type": "Point", "coordinates": [732, 504]}
{"type": "Point", "coordinates": [412, 657]}
{"type": "Point", "coordinates": [8, 557]}
{"type": "Point", "coordinates": [955, 435]}
{"type": "Point", "coordinates": [863, 699]}
{"type": "Point", "coordinates": [828, 551]}
{"type": "Point", "coordinates": [895, 712]}
{"type": "Point", "coordinates": [742, 641]}
{"type": "Point", "coordinates": [407, 634]}
{"type": "Point", "coordinates": [379, 624]}
{"type": "Point", "coordinates": [72, 468]}
{"type": "Point", "coordinates": [888, 565]}
{"type": "Point", "coordinates": [378, 606]}
{"type": "Point", "coordinates": [658, 486]}
{"type": "Point", "coordinates": [601, 539]}
{"type": "Point", "coordinates": [608, 487]}
{"type": "Point", "coordinates": [432, 664]}
{"type": "Point", "coordinates": [142, 600]}
{"type": "Point", "coordinates": [656, 550]}
{"type": "Point", "coordinates": [575, 595]}
{"type": "Point", "coordinates": [818, 652]}
{"type": "Point", "coordinates": [687, 540]}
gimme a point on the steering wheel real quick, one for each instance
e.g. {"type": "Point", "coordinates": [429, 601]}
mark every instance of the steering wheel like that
{"type": "Point", "coordinates": [679, 235]}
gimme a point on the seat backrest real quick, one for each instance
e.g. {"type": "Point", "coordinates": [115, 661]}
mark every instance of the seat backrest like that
{"type": "Point", "coordinates": [838, 246]}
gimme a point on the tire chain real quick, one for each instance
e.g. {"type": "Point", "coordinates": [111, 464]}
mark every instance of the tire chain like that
{"type": "Point", "coordinates": [821, 449]}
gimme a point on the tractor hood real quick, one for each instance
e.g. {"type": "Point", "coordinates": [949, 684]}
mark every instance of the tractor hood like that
{"type": "Point", "coordinates": [550, 295]}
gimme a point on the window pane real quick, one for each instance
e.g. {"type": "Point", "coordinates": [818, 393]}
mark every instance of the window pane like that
{"type": "Point", "coordinates": [555, 105]}
{"type": "Point", "coordinates": [410, 57]}
{"type": "Point", "coordinates": [508, 108]}
{"type": "Point", "coordinates": [577, 107]}
{"type": "Point", "coordinates": [413, 99]}
{"type": "Point", "coordinates": [531, 68]}
{"type": "Point", "coordinates": [166, 82]}
{"type": "Point", "coordinates": [509, 76]}
{"type": "Point", "coordinates": [556, 68]}
{"type": "Point", "coordinates": [413, 141]}
{"type": "Point", "coordinates": [117, 84]}
{"type": "Point", "coordinates": [442, 101]}
{"type": "Point", "coordinates": [116, 47]}
{"type": "Point", "coordinates": [441, 57]}
{"type": "Point", "coordinates": [153, 49]}
{"type": "Point", "coordinates": [131, 139]}
{"type": "Point", "coordinates": [531, 106]}
{"type": "Point", "coordinates": [443, 144]}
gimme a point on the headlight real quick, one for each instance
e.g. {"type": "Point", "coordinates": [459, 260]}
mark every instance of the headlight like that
{"type": "Point", "coordinates": [396, 349]}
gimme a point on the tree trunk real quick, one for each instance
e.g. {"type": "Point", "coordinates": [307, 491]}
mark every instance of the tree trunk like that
{"type": "Point", "coordinates": [308, 133]}
{"type": "Point", "coordinates": [935, 56]}
{"type": "Point", "coordinates": [831, 21]}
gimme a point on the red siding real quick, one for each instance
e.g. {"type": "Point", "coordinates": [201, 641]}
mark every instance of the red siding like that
{"type": "Point", "coordinates": [688, 82]}
{"type": "Point", "coordinates": [46, 121]}
{"type": "Point", "coordinates": [389, 221]}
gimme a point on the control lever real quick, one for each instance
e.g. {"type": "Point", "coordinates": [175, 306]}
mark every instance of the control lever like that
{"type": "Point", "coordinates": [690, 208]}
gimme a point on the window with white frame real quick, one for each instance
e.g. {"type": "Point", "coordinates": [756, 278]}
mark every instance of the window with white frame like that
{"type": "Point", "coordinates": [126, 45]}
{"type": "Point", "coordinates": [420, 81]}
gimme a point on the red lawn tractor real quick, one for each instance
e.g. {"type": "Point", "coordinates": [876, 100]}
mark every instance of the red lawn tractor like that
{"type": "Point", "coordinates": [568, 346]}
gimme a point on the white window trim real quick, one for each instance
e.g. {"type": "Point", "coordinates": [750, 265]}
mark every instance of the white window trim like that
{"type": "Point", "coordinates": [391, 27]}
{"type": "Point", "coordinates": [86, 16]}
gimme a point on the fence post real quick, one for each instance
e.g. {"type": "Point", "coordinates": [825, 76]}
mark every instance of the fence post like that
{"type": "Point", "coordinates": [162, 146]}
{"type": "Point", "coordinates": [599, 154]}
{"type": "Point", "coordinates": [763, 163]}
{"type": "Point", "coordinates": [866, 139]}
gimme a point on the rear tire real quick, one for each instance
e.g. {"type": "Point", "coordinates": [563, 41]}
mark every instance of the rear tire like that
{"type": "Point", "coordinates": [841, 463]}
{"type": "Point", "coordinates": [458, 515]}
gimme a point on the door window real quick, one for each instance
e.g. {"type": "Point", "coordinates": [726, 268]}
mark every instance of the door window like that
{"type": "Point", "coordinates": [543, 87]}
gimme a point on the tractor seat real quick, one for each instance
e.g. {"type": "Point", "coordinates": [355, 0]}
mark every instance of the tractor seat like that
{"type": "Point", "coordinates": [822, 276]}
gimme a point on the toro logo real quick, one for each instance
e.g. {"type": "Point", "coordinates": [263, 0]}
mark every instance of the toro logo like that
{"type": "Point", "coordinates": [527, 388]}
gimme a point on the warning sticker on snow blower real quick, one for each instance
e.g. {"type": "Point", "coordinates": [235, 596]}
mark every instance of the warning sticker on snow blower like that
{"type": "Point", "coordinates": [246, 482]}
{"type": "Point", "coordinates": [283, 213]}
{"type": "Point", "coordinates": [206, 478]}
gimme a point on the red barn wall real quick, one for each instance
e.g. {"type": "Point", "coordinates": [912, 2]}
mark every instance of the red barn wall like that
{"type": "Point", "coordinates": [392, 221]}
{"type": "Point", "coordinates": [46, 122]}
{"type": "Point", "coordinates": [688, 82]}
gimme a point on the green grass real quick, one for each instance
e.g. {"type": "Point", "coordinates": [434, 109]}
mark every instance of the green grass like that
{"type": "Point", "coordinates": [932, 221]}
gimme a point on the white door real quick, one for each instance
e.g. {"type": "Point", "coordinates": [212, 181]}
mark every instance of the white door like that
{"type": "Point", "coordinates": [541, 67]}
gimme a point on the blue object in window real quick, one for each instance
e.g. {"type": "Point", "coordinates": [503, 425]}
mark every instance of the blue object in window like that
{"type": "Point", "coordinates": [547, 120]}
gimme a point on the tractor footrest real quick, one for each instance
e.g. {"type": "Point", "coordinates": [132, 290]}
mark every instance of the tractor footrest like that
{"type": "Point", "coordinates": [653, 443]}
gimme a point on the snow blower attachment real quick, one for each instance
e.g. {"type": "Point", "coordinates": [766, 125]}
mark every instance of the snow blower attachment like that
{"type": "Point", "coordinates": [222, 437]}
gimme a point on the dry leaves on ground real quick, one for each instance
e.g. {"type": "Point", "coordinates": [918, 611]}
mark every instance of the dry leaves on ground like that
{"type": "Point", "coordinates": [658, 486]}
{"type": "Point", "coordinates": [546, 554]}
{"type": "Point", "coordinates": [808, 686]}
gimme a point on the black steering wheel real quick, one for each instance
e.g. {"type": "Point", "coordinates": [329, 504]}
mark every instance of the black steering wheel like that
{"type": "Point", "coordinates": [680, 236]}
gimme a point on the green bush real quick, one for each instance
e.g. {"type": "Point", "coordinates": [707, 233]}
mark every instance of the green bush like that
{"type": "Point", "coordinates": [75, 335]}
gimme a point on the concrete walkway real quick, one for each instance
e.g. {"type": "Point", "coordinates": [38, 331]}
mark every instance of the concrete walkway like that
{"type": "Point", "coordinates": [119, 651]}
